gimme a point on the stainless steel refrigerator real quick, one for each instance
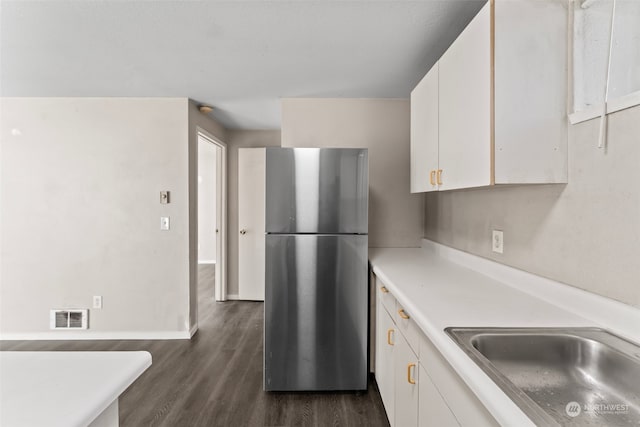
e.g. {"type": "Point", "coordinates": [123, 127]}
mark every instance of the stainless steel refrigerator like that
{"type": "Point", "coordinates": [316, 289]}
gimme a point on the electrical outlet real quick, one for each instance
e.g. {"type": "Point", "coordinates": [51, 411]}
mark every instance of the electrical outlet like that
{"type": "Point", "coordinates": [97, 301]}
{"type": "Point", "coordinates": [497, 241]}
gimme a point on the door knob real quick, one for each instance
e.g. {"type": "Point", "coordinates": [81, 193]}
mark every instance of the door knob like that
{"type": "Point", "coordinates": [243, 231]}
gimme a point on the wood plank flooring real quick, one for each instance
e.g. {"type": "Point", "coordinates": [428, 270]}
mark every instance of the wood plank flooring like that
{"type": "Point", "coordinates": [215, 379]}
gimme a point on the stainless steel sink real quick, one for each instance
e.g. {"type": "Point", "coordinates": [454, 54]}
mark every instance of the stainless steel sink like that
{"type": "Point", "coordinates": [568, 377]}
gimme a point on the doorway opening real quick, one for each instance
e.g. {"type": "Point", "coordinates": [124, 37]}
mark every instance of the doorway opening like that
{"type": "Point", "coordinates": [212, 222]}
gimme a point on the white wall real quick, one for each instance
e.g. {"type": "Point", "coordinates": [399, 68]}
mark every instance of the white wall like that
{"type": "Point", "coordinates": [585, 233]}
{"type": "Point", "coordinates": [206, 202]}
{"type": "Point", "coordinates": [80, 214]}
{"type": "Point", "coordinates": [382, 126]}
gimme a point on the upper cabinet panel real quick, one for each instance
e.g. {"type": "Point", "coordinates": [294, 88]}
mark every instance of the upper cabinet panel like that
{"type": "Point", "coordinates": [424, 133]}
{"type": "Point", "coordinates": [465, 107]}
{"type": "Point", "coordinates": [531, 92]}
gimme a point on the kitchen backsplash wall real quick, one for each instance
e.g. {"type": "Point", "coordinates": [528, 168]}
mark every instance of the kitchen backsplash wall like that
{"type": "Point", "coordinates": [585, 233]}
{"type": "Point", "coordinates": [382, 126]}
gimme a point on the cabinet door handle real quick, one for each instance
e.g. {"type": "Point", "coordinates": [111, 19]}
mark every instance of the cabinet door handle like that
{"type": "Point", "coordinates": [243, 232]}
{"type": "Point", "coordinates": [389, 334]}
{"type": "Point", "coordinates": [384, 290]}
{"type": "Point", "coordinates": [410, 379]}
{"type": "Point", "coordinates": [432, 177]}
{"type": "Point", "coordinates": [439, 176]}
{"type": "Point", "coordinates": [403, 314]}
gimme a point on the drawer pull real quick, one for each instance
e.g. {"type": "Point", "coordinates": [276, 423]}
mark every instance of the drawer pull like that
{"type": "Point", "coordinates": [410, 379]}
{"type": "Point", "coordinates": [384, 290]}
{"type": "Point", "coordinates": [389, 334]}
{"type": "Point", "coordinates": [403, 314]}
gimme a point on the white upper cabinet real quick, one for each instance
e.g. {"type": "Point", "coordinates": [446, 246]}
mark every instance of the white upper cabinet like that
{"type": "Point", "coordinates": [424, 128]}
{"type": "Point", "coordinates": [465, 107]}
{"type": "Point", "coordinates": [531, 74]}
{"type": "Point", "coordinates": [501, 101]}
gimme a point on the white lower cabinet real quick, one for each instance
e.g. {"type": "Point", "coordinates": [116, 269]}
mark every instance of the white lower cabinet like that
{"type": "Point", "coordinates": [432, 409]}
{"type": "Point", "coordinates": [417, 384]}
{"type": "Point", "coordinates": [385, 349]}
{"type": "Point", "coordinates": [406, 381]}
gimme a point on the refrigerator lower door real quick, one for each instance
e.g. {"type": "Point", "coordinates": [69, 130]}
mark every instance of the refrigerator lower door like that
{"type": "Point", "coordinates": [316, 312]}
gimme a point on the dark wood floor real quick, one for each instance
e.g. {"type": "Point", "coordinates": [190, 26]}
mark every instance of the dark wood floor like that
{"type": "Point", "coordinates": [215, 379]}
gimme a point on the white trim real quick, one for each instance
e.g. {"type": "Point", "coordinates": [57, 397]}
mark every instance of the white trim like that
{"type": "Point", "coordinates": [233, 297]}
{"type": "Point", "coordinates": [623, 318]}
{"type": "Point", "coordinates": [193, 330]}
{"type": "Point", "coordinates": [221, 192]}
{"type": "Point", "coordinates": [207, 261]}
{"type": "Point", "coordinates": [94, 335]}
{"type": "Point", "coordinates": [613, 105]}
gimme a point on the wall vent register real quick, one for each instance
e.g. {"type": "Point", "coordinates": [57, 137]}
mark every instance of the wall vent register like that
{"type": "Point", "coordinates": [69, 319]}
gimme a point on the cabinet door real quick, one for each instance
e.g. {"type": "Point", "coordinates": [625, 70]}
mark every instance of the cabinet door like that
{"type": "Point", "coordinates": [406, 381]}
{"type": "Point", "coordinates": [251, 223]}
{"type": "Point", "coordinates": [465, 85]}
{"type": "Point", "coordinates": [424, 133]}
{"type": "Point", "coordinates": [386, 335]}
{"type": "Point", "coordinates": [432, 409]}
{"type": "Point", "coordinates": [530, 91]}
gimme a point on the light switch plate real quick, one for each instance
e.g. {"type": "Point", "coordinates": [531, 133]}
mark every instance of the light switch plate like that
{"type": "Point", "coordinates": [97, 301]}
{"type": "Point", "coordinates": [165, 197]}
{"type": "Point", "coordinates": [164, 223]}
{"type": "Point", "coordinates": [497, 241]}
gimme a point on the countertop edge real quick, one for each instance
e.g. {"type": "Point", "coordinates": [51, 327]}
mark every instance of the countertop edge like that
{"type": "Point", "coordinates": [119, 388]}
{"type": "Point", "coordinates": [118, 371]}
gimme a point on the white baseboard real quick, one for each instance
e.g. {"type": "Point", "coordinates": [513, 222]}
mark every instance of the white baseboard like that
{"type": "Point", "coordinates": [207, 261]}
{"type": "Point", "coordinates": [193, 330]}
{"type": "Point", "coordinates": [95, 335]}
{"type": "Point", "coordinates": [233, 297]}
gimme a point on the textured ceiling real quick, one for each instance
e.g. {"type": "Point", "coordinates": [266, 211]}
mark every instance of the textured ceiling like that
{"type": "Point", "coordinates": [239, 56]}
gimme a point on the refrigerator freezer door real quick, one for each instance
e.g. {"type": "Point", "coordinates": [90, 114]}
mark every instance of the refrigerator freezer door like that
{"type": "Point", "coordinates": [316, 312]}
{"type": "Point", "coordinates": [317, 190]}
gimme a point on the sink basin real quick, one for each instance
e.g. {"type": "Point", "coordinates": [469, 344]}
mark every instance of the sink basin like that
{"type": "Point", "coordinates": [568, 377]}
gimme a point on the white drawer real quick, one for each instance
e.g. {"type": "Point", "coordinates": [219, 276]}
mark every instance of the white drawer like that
{"type": "Point", "coordinates": [408, 327]}
{"type": "Point", "coordinates": [386, 297]}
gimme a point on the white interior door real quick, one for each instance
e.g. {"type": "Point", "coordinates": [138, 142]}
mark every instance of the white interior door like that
{"type": "Point", "coordinates": [221, 209]}
{"type": "Point", "coordinates": [251, 223]}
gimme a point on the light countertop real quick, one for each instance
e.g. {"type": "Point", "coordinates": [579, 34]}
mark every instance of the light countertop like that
{"type": "Point", "coordinates": [60, 388]}
{"type": "Point", "coordinates": [441, 287]}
